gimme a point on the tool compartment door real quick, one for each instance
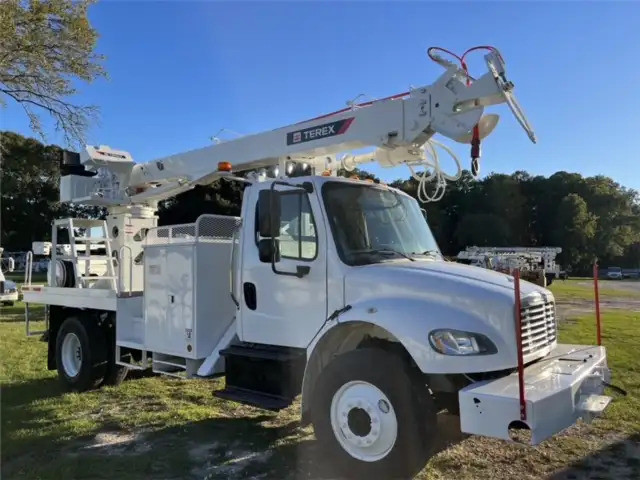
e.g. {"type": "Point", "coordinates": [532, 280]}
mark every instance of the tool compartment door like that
{"type": "Point", "coordinates": [169, 299]}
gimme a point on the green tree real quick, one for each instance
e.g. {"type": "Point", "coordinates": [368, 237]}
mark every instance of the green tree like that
{"type": "Point", "coordinates": [587, 217]}
{"type": "Point", "coordinates": [45, 45]}
{"type": "Point", "coordinates": [482, 229]}
{"type": "Point", "coordinates": [221, 198]}
{"type": "Point", "coordinates": [29, 188]}
{"type": "Point", "coordinates": [574, 231]}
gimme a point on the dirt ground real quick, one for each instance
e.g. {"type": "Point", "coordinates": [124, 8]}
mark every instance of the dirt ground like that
{"type": "Point", "coordinates": [572, 307]}
{"type": "Point", "coordinates": [625, 286]}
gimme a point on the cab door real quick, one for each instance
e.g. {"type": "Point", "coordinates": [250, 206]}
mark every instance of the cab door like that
{"type": "Point", "coordinates": [277, 308]}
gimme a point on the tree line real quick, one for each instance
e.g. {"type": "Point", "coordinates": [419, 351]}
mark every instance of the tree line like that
{"type": "Point", "coordinates": [588, 217]}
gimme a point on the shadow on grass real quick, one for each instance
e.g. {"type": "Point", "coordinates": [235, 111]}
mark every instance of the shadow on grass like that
{"type": "Point", "coordinates": [618, 461]}
{"type": "Point", "coordinates": [21, 393]}
{"type": "Point", "coordinates": [269, 446]}
{"type": "Point", "coordinates": [215, 448]}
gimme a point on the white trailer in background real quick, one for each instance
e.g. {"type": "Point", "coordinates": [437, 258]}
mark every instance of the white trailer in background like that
{"type": "Point", "coordinates": [8, 288]}
{"type": "Point", "coordinates": [328, 287]}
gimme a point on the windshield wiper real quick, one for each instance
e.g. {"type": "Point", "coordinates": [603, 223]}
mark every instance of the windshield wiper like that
{"type": "Point", "coordinates": [384, 251]}
{"type": "Point", "coordinates": [432, 253]}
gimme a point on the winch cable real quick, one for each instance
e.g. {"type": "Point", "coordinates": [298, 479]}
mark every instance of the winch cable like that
{"type": "Point", "coordinates": [433, 172]}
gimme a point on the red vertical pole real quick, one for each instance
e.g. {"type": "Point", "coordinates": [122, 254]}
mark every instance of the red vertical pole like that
{"type": "Point", "coordinates": [597, 300]}
{"type": "Point", "coordinates": [518, 315]}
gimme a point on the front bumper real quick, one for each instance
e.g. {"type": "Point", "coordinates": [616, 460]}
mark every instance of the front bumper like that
{"type": "Point", "coordinates": [560, 388]}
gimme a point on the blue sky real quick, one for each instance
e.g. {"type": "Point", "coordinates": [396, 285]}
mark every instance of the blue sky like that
{"type": "Point", "coordinates": [181, 71]}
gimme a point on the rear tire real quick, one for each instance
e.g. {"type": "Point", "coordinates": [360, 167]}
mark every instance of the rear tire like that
{"type": "Point", "coordinates": [81, 355]}
{"type": "Point", "coordinates": [372, 417]}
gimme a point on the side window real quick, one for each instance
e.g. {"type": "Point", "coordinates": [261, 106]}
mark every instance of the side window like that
{"type": "Point", "coordinates": [298, 239]}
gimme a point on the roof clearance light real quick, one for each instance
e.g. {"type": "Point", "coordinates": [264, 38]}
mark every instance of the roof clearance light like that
{"type": "Point", "coordinates": [224, 166]}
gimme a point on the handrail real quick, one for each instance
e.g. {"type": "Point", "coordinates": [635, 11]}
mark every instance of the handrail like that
{"type": "Point", "coordinates": [120, 263]}
{"type": "Point", "coordinates": [232, 279]}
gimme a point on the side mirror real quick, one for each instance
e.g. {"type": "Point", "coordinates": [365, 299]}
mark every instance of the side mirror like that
{"type": "Point", "coordinates": [268, 250]}
{"type": "Point", "coordinates": [269, 213]}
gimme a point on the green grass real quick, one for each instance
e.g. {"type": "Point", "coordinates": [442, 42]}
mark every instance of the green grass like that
{"type": "Point", "coordinates": [621, 337]}
{"type": "Point", "coordinates": [177, 429]}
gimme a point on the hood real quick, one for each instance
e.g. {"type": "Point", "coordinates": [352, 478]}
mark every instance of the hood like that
{"type": "Point", "coordinates": [429, 277]}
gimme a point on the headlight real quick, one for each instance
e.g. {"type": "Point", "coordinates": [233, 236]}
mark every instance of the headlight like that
{"type": "Point", "coordinates": [456, 342]}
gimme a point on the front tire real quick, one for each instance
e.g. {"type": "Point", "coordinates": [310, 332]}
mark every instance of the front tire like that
{"type": "Point", "coordinates": [81, 357]}
{"type": "Point", "coordinates": [372, 416]}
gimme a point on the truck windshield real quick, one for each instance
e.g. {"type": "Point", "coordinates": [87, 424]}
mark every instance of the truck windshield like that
{"type": "Point", "coordinates": [371, 224]}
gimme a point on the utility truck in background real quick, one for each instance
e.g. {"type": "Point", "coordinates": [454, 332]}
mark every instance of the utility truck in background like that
{"type": "Point", "coordinates": [326, 287]}
{"type": "Point", "coordinates": [8, 288]}
{"type": "Point", "coordinates": [536, 264]}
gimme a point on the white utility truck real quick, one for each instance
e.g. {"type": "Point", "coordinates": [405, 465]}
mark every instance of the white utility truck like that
{"type": "Point", "coordinates": [537, 264]}
{"type": "Point", "coordinates": [8, 288]}
{"type": "Point", "coordinates": [328, 287]}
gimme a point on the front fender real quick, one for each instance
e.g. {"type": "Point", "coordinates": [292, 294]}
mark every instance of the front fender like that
{"type": "Point", "coordinates": [411, 320]}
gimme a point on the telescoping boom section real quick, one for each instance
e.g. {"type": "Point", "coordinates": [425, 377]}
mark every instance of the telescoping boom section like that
{"type": "Point", "coordinates": [325, 287]}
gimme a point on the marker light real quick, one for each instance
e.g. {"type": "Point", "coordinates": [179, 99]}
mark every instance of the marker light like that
{"type": "Point", "coordinates": [224, 166]}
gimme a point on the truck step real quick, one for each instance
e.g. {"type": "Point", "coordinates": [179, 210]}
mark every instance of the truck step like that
{"type": "Point", "coordinates": [591, 406]}
{"type": "Point", "coordinates": [264, 369]}
{"type": "Point", "coordinates": [90, 239]}
{"type": "Point", "coordinates": [253, 398]}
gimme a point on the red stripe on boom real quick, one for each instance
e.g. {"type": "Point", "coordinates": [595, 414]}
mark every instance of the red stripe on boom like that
{"type": "Point", "coordinates": [345, 125]}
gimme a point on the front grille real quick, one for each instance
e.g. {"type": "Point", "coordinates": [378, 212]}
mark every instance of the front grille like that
{"type": "Point", "coordinates": [538, 326]}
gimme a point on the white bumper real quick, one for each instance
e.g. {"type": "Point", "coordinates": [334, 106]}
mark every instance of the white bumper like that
{"type": "Point", "coordinates": [565, 385]}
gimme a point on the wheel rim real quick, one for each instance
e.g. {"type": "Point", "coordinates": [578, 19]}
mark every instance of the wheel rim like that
{"type": "Point", "coordinates": [71, 354]}
{"type": "Point", "coordinates": [363, 421]}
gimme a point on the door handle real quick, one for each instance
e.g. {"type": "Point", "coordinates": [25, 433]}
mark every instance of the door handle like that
{"type": "Point", "coordinates": [250, 295]}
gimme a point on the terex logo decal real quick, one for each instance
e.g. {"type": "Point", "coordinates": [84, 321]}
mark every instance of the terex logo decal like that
{"type": "Point", "coordinates": [320, 131]}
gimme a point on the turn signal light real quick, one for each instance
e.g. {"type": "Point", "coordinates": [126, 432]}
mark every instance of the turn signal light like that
{"type": "Point", "coordinates": [224, 166]}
